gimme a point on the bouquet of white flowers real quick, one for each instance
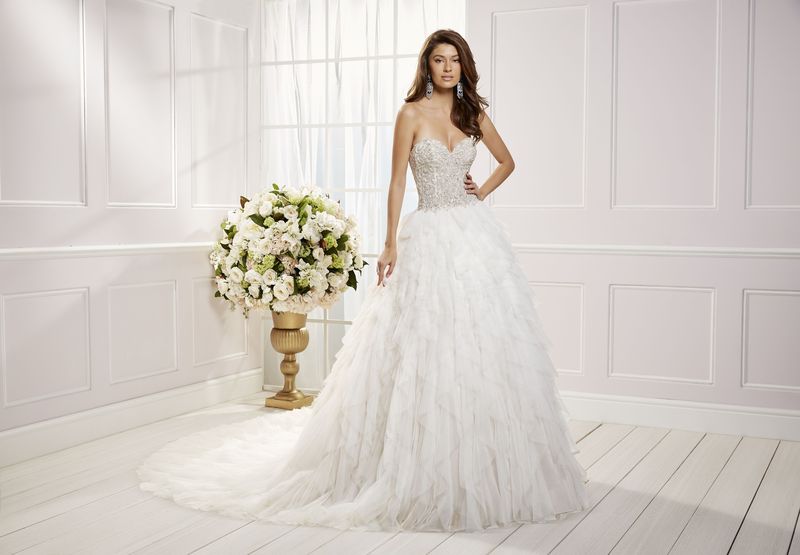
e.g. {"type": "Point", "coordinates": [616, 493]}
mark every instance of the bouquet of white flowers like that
{"type": "Point", "coordinates": [286, 250]}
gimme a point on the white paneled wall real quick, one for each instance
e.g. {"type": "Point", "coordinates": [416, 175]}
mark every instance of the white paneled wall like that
{"type": "Point", "coordinates": [655, 198]}
{"type": "Point", "coordinates": [128, 128]}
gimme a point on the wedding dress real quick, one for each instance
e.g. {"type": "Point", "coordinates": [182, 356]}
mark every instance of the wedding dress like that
{"type": "Point", "coordinates": [440, 412]}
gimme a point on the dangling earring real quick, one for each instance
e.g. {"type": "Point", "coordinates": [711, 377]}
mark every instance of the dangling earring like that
{"type": "Point", "coordinates": [429, 87]}
{"type": "Point", "coordinates": [459, 90]}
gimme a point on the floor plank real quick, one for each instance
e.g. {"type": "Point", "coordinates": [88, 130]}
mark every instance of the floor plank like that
{"type": "Point", "coordinates": [411, 543]}
{"type": "Point", "coordinates": [657, 528]}
{"type": "Point", "coordinates": [196, 535]}
{"type": "Point", "coordinates": [354, 543]}
{"type": "Point", "coordinates": [714, 524]}
{"type": "Point", "coordinates": [603, 475]}
{"type": "Point", "coordinates": [768, 525]}
{"type": "Point", "coordinates": [245, 539]}
{"type": "Point", "coordinates": [600, 530]}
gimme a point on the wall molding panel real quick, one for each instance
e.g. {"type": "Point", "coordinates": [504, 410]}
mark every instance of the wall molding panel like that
{"type": "Point", "coordinates": [28, 349]}
{"type": "Point", "coordinates": [128, 83]}
{"type": "Point", "coordinates": [45, 114]}
{"type": "Point", "coordinates": [142, 313]}
{"type": "Point", "coordinates": [772, 140]}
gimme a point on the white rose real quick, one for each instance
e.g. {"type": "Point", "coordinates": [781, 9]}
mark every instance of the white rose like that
{"type": "Point", "coordinates": [337, 280]}
{"type": "Point", "coordinates": [290, 212]}
{"type": "Point", "coordinates": [234, 216]}
{"type": "Point", "coordinates": [236, 275]}
{"type": "Point", "coordinates": [252, 276]}
{"type": "Point", "coordinates": [311, 231]}
{"type": "Point", "coordinates": [282, 290]}
{"type": "Point", "coordinates": [265, 209]}
{"type": "Point", "coordinates": [270, 277]}
{"type": "Point", "coordinates": [250, 230]}
{"type": "Point", "coordinates": [236, 290]}
{"type": "Point", "coordinates": [250, 207]}
{"type": "Point", "coordinates": [294, 195]}
{"type": "Point", "coordinates": [259, 248]}
{"type": "Point", "coordinates": [318, 281]}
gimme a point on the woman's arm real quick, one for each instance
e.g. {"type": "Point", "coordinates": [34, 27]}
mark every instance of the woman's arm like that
{"type": "Point", "coordinates": [492, 140]}
{"type": "Point", "coordinates": [401, 150]}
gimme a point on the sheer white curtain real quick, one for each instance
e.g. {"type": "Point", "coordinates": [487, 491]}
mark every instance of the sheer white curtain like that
{"type": "Point", "coordinates": [334, 74]}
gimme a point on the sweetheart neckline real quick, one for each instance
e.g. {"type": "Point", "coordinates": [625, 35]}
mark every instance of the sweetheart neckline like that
{"type": "Point", "coordinates": [441, 143]}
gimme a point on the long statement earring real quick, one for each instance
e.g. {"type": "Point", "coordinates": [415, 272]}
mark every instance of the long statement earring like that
{"type": "Point", "coordinates": [459, 90]}
{"type": "Point", "coordinates": [429, 87]}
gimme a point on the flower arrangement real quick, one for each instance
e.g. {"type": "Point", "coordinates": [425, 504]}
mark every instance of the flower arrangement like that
{"type": "Point", "coordinates": [286, 250]}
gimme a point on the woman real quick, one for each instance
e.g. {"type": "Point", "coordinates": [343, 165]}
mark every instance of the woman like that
{"type": "Point", "coordinates": [440, 412]}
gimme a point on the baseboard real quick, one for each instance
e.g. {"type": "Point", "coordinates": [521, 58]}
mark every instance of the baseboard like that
{"type": "Point", "coordinates": [41, 438]}
{"type": "Point", "coordinates": [672, 413]}
{"type": "Point", "coordinates": [684, 415]}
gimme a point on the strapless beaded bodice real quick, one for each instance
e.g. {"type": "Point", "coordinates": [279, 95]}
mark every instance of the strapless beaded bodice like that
{"type": "Point", "coordinates": [439, 173]}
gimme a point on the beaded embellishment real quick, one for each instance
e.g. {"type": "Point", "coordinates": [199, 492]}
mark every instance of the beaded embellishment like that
{"type": "Point", "coordinates": [439, 173]}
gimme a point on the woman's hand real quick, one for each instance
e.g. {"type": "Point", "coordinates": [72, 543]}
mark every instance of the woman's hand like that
{"type": "Point", "coordinates": [387, 259]}
{"type": "Point", "coordinates": [472, 188]}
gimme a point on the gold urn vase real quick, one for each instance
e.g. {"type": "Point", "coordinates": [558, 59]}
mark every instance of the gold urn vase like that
{"type": "Point", "coordinates": [289, 336]}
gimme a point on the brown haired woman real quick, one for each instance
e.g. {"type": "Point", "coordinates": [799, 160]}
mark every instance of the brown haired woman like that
{"type": "Point", "coordinates": [440, 412]}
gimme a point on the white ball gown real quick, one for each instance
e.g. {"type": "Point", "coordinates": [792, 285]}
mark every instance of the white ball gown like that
{"type": "Point", "coordinates": [440, 412]}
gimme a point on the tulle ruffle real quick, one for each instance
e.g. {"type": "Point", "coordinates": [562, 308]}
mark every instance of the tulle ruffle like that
{"type": "Point", "coordinates": [440, 412]}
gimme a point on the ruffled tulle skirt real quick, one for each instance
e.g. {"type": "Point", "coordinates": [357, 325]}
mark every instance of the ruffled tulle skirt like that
{"type": "Point", "coordinates": [440, 412]}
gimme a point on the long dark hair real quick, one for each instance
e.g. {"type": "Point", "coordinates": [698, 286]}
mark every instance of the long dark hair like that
{"type": "Point", "coordinates": [465, 111]}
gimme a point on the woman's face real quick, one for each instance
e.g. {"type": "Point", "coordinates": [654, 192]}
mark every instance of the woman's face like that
{"type": "Point", "coordinates": [445, 66]}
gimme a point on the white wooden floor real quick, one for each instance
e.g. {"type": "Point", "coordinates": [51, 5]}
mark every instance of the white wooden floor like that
{"type": "Point", "coordinates": [654, 491]}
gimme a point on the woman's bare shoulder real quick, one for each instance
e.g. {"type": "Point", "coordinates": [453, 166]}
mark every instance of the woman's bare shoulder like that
{"type": "Point", "coordinates": [408, 116]}
{"type": "Point", "coordinates": [410, 109]}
